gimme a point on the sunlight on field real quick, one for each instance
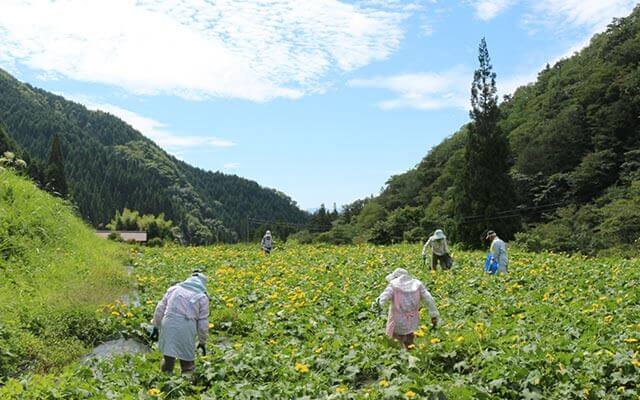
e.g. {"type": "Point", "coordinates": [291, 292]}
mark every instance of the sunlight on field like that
{"type": "Point", "coordinates": [298, 323]}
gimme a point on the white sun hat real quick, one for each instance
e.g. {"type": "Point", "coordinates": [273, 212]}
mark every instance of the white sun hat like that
{"type": "Point", "coordinates": [439, 234]}
{"type": "Point", "coordinates": [401, 279]}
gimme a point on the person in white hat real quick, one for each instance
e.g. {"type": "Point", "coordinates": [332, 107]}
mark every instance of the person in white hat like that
{"type": "Point", "coordinates": [180, 317]}
{"type": "Point", "coordinates": [498, 250]}
{"type": "Point", "coordinates": [405, 294]}
{"type": "Point", "coordinates": [439, 250]}
{"type": "Point", "coordinates": [266, 244]}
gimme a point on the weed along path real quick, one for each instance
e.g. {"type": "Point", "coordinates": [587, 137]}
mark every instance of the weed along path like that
{"type": "Point", "coordinates": [121, 345]}
{"type": "Point", "coordinates": [298, 324]}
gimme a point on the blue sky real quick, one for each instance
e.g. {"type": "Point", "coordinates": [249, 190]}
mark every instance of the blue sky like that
{"type": "Point", "coordinates": [321, 99]}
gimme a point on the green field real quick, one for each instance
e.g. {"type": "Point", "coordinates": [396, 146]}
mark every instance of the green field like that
{"type": "Point", "coordinates": [298, 324]}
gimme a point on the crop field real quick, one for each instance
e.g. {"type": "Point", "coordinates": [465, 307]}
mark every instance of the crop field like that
{"type": "Point", "coordinates": [299, 324]}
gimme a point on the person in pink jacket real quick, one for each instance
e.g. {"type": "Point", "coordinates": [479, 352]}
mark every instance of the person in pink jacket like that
{"type": "Point", "coordinates": [180, 317]}
{"type": "Point", "coordinates": [405, 294]}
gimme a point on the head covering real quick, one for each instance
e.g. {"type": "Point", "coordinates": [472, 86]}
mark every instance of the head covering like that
{"type": "Point", "coordinates": [489, 233]}
{"type": "Point", "coordinates": [400, 279]}
{"type": "Point", "coordinates": [268, 233]}
{"type": "Point", "coordinates": [196, 283]}
{"type": "Point", "coordinates": [439, 234]}
{"type": "Point", "coordinates": [396, 274]}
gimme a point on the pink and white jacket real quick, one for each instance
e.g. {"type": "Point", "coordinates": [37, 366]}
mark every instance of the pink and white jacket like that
{"type": "Point", "coordinates": [405, 294]}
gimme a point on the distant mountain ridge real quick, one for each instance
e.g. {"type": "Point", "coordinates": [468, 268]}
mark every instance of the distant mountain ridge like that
{"type": "Point", "coordinates": [110, 166]}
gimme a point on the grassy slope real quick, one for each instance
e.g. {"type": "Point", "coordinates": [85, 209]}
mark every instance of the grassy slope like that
{"type": "Point", "coordinates": [55, 273]}
{"type": "Point", "coordinates": [557, 327]}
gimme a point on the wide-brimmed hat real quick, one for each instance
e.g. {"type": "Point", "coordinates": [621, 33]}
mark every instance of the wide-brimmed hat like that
{"type": "Point", "coordinates": [401, 279]}
{"type": "Point", "coordinates": [201, 277]}
{"type": "Point", "coordinates": [439, 234]}
{"type": "Point", "coordinates": [396, 274]}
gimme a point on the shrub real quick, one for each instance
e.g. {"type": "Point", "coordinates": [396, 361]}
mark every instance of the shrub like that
{"type": "Point", "coordinates": [115, 236]}
{"type": "Point", "coordinates": [155, 242]}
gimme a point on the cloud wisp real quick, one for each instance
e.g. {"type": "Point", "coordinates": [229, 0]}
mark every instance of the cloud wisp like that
{"type": "Point", "coordinates": [256, 50]}
{"type": "Point", "coordinates": [423, 90]}
{"type": "Point", "coordinates": [486, 10]}
{"type": "Point", "coordinates": [232, 165]}
{"type": "Point", "coordinates": [590, 15]}
{"type": "Point", "coordinates": [152, 128]}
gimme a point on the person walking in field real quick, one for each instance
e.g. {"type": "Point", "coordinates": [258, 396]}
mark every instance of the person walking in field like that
{"type": "Point", "coordinates": [180, 317]}
{"type": "Point", "coordinates": [498, 251]}
{"type": "Point", "coordinates": [267, 242]}
{"type": "Point", "coordinates": [405, 294]}
{"type": "Point", "coordinates": [439, 251]}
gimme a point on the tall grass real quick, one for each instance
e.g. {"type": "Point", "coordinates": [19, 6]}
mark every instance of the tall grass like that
{"type": "Point", "coordinates": [54, 273]}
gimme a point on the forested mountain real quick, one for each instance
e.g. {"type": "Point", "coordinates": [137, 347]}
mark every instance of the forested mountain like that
{"type": "Point", "coordinates": [110, 166]}
{"type": "Point", "coordinates": [574, 137]}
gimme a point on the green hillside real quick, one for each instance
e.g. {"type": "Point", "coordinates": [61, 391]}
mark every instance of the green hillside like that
{"type": "Point", "coordinates": [55, 273]}
{"type": "Point", "coordinates": [110, 166]}
{"type": "Point", "coordinates": [575, 146]}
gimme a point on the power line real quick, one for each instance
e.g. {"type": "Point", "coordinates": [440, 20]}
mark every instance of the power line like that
{"type": "Point", "coordinates": [516, 212]}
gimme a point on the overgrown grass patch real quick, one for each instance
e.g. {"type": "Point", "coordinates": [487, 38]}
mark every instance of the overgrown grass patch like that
{"type": "Point", "coordinates": [55, 274]}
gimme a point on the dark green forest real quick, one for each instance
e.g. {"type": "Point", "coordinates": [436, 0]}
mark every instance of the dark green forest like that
{"type": "Point", "coordinates": [574, 160]}
{"type": "Point", "coordinates": [110, 166]}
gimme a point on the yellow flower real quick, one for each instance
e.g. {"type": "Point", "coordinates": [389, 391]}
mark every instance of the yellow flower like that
{"type": "Point", "coordinates": [229, 305]}
{"type": "Point", "coordinates": [302, 368]}
{"type": "Point", "coordinates": [115, 313]}
{"type": "Point", "coordinates": [459, 338]}
{"type": "Point", "coordinates": [129, 314]}
{"type": "Point", "coordinates": [211, 325]}
{"type": "Point", "coordinates": [341, 389]}
{"type": "Point", "coordinates": [153, 392]}
{"type": "Point", "coordinates": [410, 394]}
{"type": "Point", "coordinates": [384, 383]}
{"type": "Point", "coordinates": [318, 350]}
{"type": "Point", "coordinates": [411, 346]}
{"type": "Point", "coordinates": [631, 340]}
{"type": "Point", "coordinates": [608, 318]}
{"type": "Point", "coordinates": [636, 363]}
{"type": "Point", "coordinates": [419, 333]}
{"type": "Point", "coordinates": [149, 301]}
{"type": "Point", "coordinates": [435, 340]}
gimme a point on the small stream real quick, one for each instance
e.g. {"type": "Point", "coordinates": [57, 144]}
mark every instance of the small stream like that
{"type": "Point", "coordinates": [121, 346]}
{"type": "Point", "coordinates": [117, 347]}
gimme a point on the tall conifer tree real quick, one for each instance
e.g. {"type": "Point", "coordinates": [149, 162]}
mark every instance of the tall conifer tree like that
{"type": "Point", "coordinates": [484, 189]}
{"type": "Point", "coordinates": [56, 181]}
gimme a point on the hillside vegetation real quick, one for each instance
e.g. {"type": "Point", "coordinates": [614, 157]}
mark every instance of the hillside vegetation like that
{"type": "Point", "coordinates": [110, 166]}
{"type": "Point", "coordinates": [574, 136]}
{"type": "Point", "coordinates": [298, 324]}
{"type": "Point", "coordinates": [55, 274]}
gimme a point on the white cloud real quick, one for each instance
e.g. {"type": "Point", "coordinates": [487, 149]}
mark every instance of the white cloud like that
{"type": "Point", "coordinates": [424, 90]}
{"type": "Point", "coordinates": [232, 165]}
{"type": "Point", "coordinates": [252, 49]}
{"type": "Point", "coordinates": [488, 9]}
{"type": "Point", "coordinates": [592, 15]}
{"type": "Point", "coordinates": [151, 128]}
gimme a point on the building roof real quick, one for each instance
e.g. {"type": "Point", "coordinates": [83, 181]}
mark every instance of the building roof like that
{"type": "Point", "coordinates": [137, 236]}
